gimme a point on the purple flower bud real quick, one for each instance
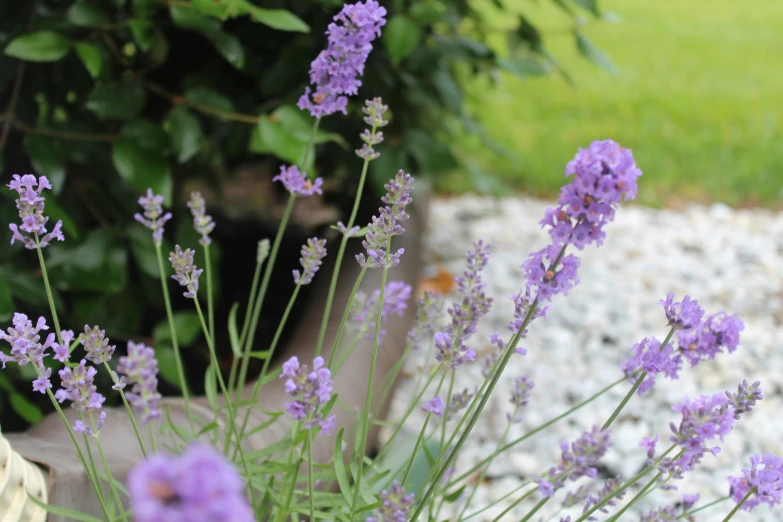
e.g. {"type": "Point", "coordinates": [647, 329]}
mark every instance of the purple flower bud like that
{"type": "Point", "coordinates": [96, 344]}
{"type": "Point", "coordinates": [297, 183]}
{"type": "Point", "coordinates": [745, 399]}
{"type": "Point", "coordinates": [648, 444]}
{"type": "Point", "coordinates": [520, 396]}
{"type": "Point", "coordinates": [312, 254]}
{"type": "Point", "coordinates": [201, 221]}
{"type": "Point", "coordinates": [31, 208]}
{"type": "Point", "coordinates": [78, 387]}
{"type": "Point", "coordinates": [688, 501]}
{"type": "Point", "coordinates": [374, 110]}
{"type": "Point", "coordinates": [153, 217]}
{"type": "Point", "coordinates": [395, 506]}
{"type": "Point", "coordinates": [703, 419]}
{"type": "Point", "coordinates": [664, 514]}
{"type": "Point", "coordinates": [577, 460]}
{"type": "Point", "coordinates": [610, 486]}
{"type": "Point", "coordinates": [186, 273]}
{"type": "Point", "coordinates": [334, 72]}
{"type": "Point", "coordinates": [25, 344]}
{"type": "Point", "coordinates": [140, 368]}
{"type": "Point", "coordinates": [364, 311]}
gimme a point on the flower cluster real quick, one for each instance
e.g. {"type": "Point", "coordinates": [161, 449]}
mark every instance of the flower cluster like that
{"type": "Point", "coordinates": [577, 460]}
{"type": "Point", "coordinates": [664, 514]}
{"type": "Point", "coordinates": [31, 208]}
{"type": "Point", "coordinates": [201, 221]}
{"type": "Point", "coordinates": [395, 505]}
{"type": "Point", "coordinates": [459, 401]}
{"type": "Point", "coordinates": [450, 341]}
{"type": "Point", "coordinates": [520, 396]}
{"type": "Point", "coordinates": [79, 388]}
{"type": "Point", "coordinates": [297, 183]}
{"type": "Point", "coordinates": [263, 251]}
{"type": "Point", "coordinates": [765, 478]}
{"type": "Point", "coordinates": [140, 368]}
{"type": "Point", "coordinates": [605, 174]}
{"type": "Point", "coordinates": [373, 110]}
{"type": "Point", "coordinates": [434, 406]}
{"type": "Point", "coordinates": [428, 311]}
{"type": "Point", "coordinates": [648, 356]}
{"type": "Point", "coordinates": [610, 486]}
{"type": "Point", "coordinates": [25, 344]}
{"type": "Point", "coordinates": [185, 272]}
{"type": "Point", "coordinates": [96, 344]}
{"type": "Point", "coordinates": [197, 486]}
{"type": "Point", "coordinates": [523, 301]}
{"type": "Point", "coordinates": [153, 217]}
{"type": "Point", "coordinates": [684, 314]}
{"type": "Point", "coordinates": [312, 255]}
{"type": "Point", "coordinates": [364, 311]}
{"type": "Point", "coordinates": [387, 224]}
{"type": "Point", "coordinates": [309, 390]}
{"type": "Point", "coordinates": [745, 399]}
{"type": "Point", "coordinates": [707, 339]}
{"type": "Point", "coordinates": [334, 72]}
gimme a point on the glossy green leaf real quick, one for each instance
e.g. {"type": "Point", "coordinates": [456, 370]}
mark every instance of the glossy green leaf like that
{"type": "Point", "coordinates": [189, 18]}
{"type": "Point", "coordinates": [25, 409]}
{"type": "Point", "coordinates": [208, 97]}
{"type": "Point", "coordinates": [97, 264]}
{"type": "Point", "coordinates": [593, 53]}
{"type": "Point", "coordinates": [142, 167]}
{"type": "Point", "coordinates": [167, 364]}
{"type": "Point", "coordinates": [57, 213]}
{"type": "Point", "coordinates": [185, 130]}
{"type": "Point", "coordinates": [143, 32]}
{"type": "Point", "coordinates": [122, 100]}
{"type": "Point", "coordinates": [279, 19]}
{"type": "Point", "coordinates": [401, 36]}
{"type": "Point", "coordinates": [91, 57]}
{"type": "Point", "coordinates": [186, 325]}
{"type": "Point", "coordinates": [41, 46]}
{"type": "Point", "coordinates": [84, 14]}
{"type": "Point", "coordinates": [143, 249]}
{"type": "Point", "coordinates": [226, 44]}
{"type": "Point", "coordinates": [47, 156]}
{"type": "Point", "coordinates": [6, 302]}
{"type": "Point", "coordinates": [230, 47]}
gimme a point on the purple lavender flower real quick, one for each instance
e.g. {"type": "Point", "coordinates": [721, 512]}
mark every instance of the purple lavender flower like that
{"type": "Point", "coordinates": [31, 208]}
{"type": "Point", "coordinates": [703, 341]}
{"type": "Point", "coordinates": [434, 406]}
{"type": "Point", "coordinates": [62, 351]}
{"type": "Point", "coordinates": [395, 506]}
{"type": "Point", "coordinates": [365, 311]}
{"type": "Point", "coordinates": [334, 72]}
{"type": "Point", "coordinates": [577, 460]}
{"type": "Point", "coordinates": [312, 254]}
{"type": "Point", "coordinates": [610, 486]}
{"type": "Point", "coordinates": [703, 419]}
{"type": "Point", "coordinates": [648, 444]}
{"type": "Point", "coordinates": [522, 303]}
{"type": "Point", "coordinates": [186, 273]}
{"type": "Point", "coordinates": [25, 344]}
{"type": "Point", "coordinates": [153, 217]}
{"type": "Point", "coordinates": [450, 341]}
{"type": "Point", "coordinates": [310, 390]}
{"type": "Point", "coordinates": [140, 368]}
{"type": "Point", "coordinates": [648, 356]}
{"type": "Point", "coordinates": [498, 345]}
{"type": "Point", "coordinates": [745, 399]}
{"type": "Point", "coordinates": [689, 500]}
{"type": "Point", "coordinates": [297, 183]}
{"type": "Point", "coordinates": [605, 174]}
{"type": "Point", "coordinates": [578, 496]}
{"type": "Point", "coordinates": [81, 427]}
{"type": "Point", "coordinates": [386, 224]}
{"type": "Point", "coordinates": [77, 387]}
{"type": "Point", "coordinates": [96, 344]}
{"type": "Point", "coordinates": [459, 401]}
{"type": "Point", "coordinates": [201, 221]}
{"type": "Point", "coordinates": [520, 396]}
{"type": "Point", "coordinates": [682, 314]}
{"type": "Point", "coordinates": [765, 478]}
{"type": "Point", "coordinates": [664, 514]}
{"type": "Point", "coordinates": [349, 232]}
{"type": "Point", "coordinates": [198, 486]}
{"type": "Point", "coordinates": [428, 311]}
{"type": "Point", "coordinates": [373, 110]}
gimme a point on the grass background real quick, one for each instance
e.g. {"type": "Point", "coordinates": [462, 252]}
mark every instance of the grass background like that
{"type": "Point", "coordinates": [698, 96]}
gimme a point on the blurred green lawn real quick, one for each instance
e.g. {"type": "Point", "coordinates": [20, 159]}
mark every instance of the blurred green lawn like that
{"type": "Point", "coordinates": [698, 97]}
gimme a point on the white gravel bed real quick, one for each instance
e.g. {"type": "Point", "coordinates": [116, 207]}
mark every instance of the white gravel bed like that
{"type": "Point", "coordinates": [728, 259]}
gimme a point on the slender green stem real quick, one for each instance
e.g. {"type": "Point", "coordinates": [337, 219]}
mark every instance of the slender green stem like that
{"type": "Point", "coordinates": [93, 468]}
{"type": "Point", "coordinates": [152, 437]}
{"type": "Point", "coordinates": [262, 293]}
{"type": "Point", "coordinates": [423, 372]}
{"type": "Point", "coordinates": [391, 377]}
{"type": "Point", "coordinates": [210, 297]}
{"type": "Point", "coordinates": [257, 385]}
{"type": "Point", "coordinates": [173, 332]}
{"type": "Point", "coordinates": [490, 506]}
{"type": "Point", "coordinates": [636, 385]}
{"type": "Point", "coordinates": [739, 505]}
{"type": "Point", "coordinates": [128, 408]}
{"type": "Point", "coordinates": [535, 509]}
{"type": "Point", "coordinates": [636, 497]}
{"type": "Point", "coordinates": [705, 506]}
{"type": "Point", "coordinates": [370, 381]}
{"type": "Point", "coordinates": [246, 323]}
{"type": "Point", "coordinates": [221, 382]}
{"type": "Point", "coordinates": [112, 485]}
{"type": "Point", "coordinates": [295, 472]}
{"type": "Point", "coordinates": [346, 313]}
{"type": "Point", "coordinates": [310, 486]}
{"type": "Point", "coordinates": [446, 410]}
{"type": "Point", "coordinates": [516, 503]}
{"type": "Point", "coordinates": [421, 436]}
{"type": "Point", "coordinates": [49, 294]}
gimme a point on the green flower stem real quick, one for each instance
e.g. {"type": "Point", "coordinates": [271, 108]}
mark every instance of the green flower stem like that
{"type": "Point", "coordinates": [229, 406]}
{"type": "Point", "coordinates": [694, 511]}
{"type": "Point", "coordinates": [534, 431]}
{"type": "Point", "coordinates": [282, 513]}
{"type": "Point", "coordinates": [93, 468]}
{"type": "Point", "coordinates": [391, 377]}
{"type": "Point", "coordinates": [423, 371]}
{"type": "Point", "coordinates": [173, 332]}
{"type": "Point", "coordinates": [370, 381]}
{"type": "Point", "coordinates": [421, 436]}
{"type": "Point", "coordinates": [535, 509]}
{"type": "Point", "coordinates": [262, 293]}
{"type": "Point", "coordinates": [128, 408]}
{"type": "Point", "coordinates": [113, 486]}
{"type": "Point", "coordinates": [257, 385]}
{"type": "Point", "coordinates": [519, 501]}
{"type": "Point", "coordinates": [49, 294]}
{"type": "Point", "coordinates": [339, 259]}
{"type": "Point", "coordinates": [245, 324]}
{"type": "Point", "coordinates": [347, 352]}
{"type": "Point", "coordinates": [310, 487]}
{"type": "Point", "coordinates": [346, 313]}
{"type": "Point", "coordinates": [446, 409]}
{"type": "Point", "coordinates": [210, 301]}
{"type": "Point", "coordinates": [504, 497]}
{"type": "Point", "coordinates": [739, 505]}
{"type": "Point", "coordinates": [628, 483]}
{"type": "Point", "coordinates": [474, 417]}
{"type": "Point", "coordinates": [152, 438]}
{"type": "Point", "coordinates": [636, 385]}
{"type": "Point", "coordinates": [636, 497]}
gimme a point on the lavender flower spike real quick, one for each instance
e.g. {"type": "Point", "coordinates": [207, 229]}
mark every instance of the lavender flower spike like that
{"type": "Point", "coordinates": [153, 217]}
{"type": "Point", "coordinates": [25, 344]}
{"type": "Point", "coordinates": [395, 506]}
{"type": "Point", "coordinates": [334, 72]}
{"type": "Point", "coordinates": [310, 390]}
{"type": "Point", "coordinates": [312, 254]}
{"type": "Point", "coordinates": [198, 486]}
{"type": "Point", "coordinates": [96, 344]}
{"type": "Point", "coordinates": [186, 273]}
{"type": "Point", "coordinates": [765, 478]}
{"type": "Point", "coordinates": [386, 224]}
{"type": "Point", "coordinates": [31, 207]}
{"type": "Point", "coordinates": [78, 387]}
{"type": "Point", "coordinates": [140, 368]}
{"type": "Point", "coordinates": [577, 460]}
{"type": "Point", "coordinates": [683, 314]}
{"type": "Point", "coordinates": [296, 182]}
{"type": "Point", "coordinates": [374, 110]}
{"type": "Point", "coordinates": [201, 221]}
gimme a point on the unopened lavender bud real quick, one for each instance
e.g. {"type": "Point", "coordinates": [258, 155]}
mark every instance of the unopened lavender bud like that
{"type": "Point", "coordinates": [263, 251]}
{"type": "Point", "coordinates": [186, 273]}
{"type": "Point", "coordinates": [154, 218]}
{"type": "Point", "coordinates": [201, 221]}
{"type": "Point", "coordinates": [312, 255]}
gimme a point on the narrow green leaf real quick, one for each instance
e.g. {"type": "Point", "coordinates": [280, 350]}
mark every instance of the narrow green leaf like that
{"type": "Point", "coordinates": [85, 14]}
{"type": "Point", "coordinates": [178, 430]}
{"type": "Point", "coordinates": [167, 364]}
{"type": "Point", "coordinates": [63, 512]}
{"type": "Point", "coordinates": [209, 427]}
{"type": "Point", "coordinates": [279, 19]}
{"type": "Point", "coordinates": [25, 409]}
{"type": "Point", "coordinates": [401, 36]}
{"type": "Point", "coordinates": [339, 468]}
{"type": "Point", "coordinates": [91, 57]}
{"type": "Point", "coordinates": [41, 46]}
{"type": "Point", "coordinates": [232, 330]}
{"type": "Point", "coordinates": [6, 302]}
{"type": "Point", "coordinates": [141, 167]}
{"type": "Point", "coordinates": [185, 130]}
{"type": "Point", "coordinates": [210, 386]}
{"type": "Point", "coordinates": [454, 496]}
{"type": "Point", "coordinates": [593, 53]}
{"type": "Point", "coordinates": [143, 32]}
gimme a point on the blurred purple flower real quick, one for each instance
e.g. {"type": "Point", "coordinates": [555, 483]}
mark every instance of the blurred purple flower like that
{"type": "Point", "coordinates": [185, 272]}
{"type": "Point", "coordinates": [201, 221]}
{"type": "Point", "coordinates": [395, 506]}
{"type": "Point", "coordinates": [31, 208]}
{"type": "Point", "coordinates": [428, 311]}
{"type": "Point", "coordinates": [140, 368]}
{"type": "Point", "coordinates": [312, 254]}
{"type": "Point", "coordinates": [153, 217]}
{"type": "Point", "coordinates": [577, 460]}
{"type": "Point", "coordinates": [684, 314]}
{"type": "Point", "coordinates": [434, 406]}
{"type": "Point", "coordinates": [765, 478]}
{"type": "Point", "coordinates": [78, 387]}
{"type": "Point", "coordinates": [296, 182]}
{"type": "Point", "coordinates": [520, 396]}
{"type": "Point", "coordinates": [25, 344]}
